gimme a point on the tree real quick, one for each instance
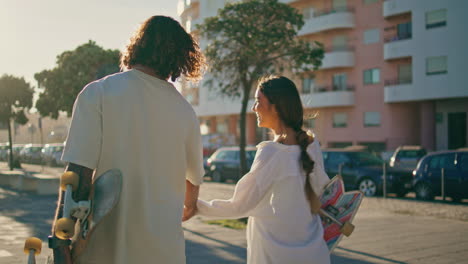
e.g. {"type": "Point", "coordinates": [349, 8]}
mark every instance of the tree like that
{"type": "Point", "coordinates": [250, 39]}
{"type": "Point", "coordinates": [74, 70]}
{"type": "Point", "coordinates": [15, 97]}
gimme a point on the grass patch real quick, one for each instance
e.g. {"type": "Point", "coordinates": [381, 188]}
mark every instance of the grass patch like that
{"type": "Point", "coordinates": [229, 223]}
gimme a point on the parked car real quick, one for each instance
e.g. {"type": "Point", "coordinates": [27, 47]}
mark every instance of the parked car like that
{"type": "Point", "coordinates": [4, 151]}
{"type": "Point", "coordinates": [52, 154]}
{"type": "Point", "coordinates": [16, 155]}
{"type": "Point", "coordinates": [224, 164]}
{"type": "Point", "coordinates": [363, 171]}
{"type": "Point", "coordinates": [406, 158]}
{"type": "Point", "coordinates": [31, 153]}
{"type": "Point", "coordinates": [428, 175]}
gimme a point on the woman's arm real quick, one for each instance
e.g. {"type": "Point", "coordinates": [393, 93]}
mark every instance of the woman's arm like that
{"type": "Point", "coordinates": [248, 192]}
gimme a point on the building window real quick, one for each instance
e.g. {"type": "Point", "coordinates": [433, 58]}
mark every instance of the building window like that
{"type": "Point", "coordinates": [405, 74]}
{"type": "Point", "coordinates": [308, 13]}
{"type": "Point", "coordinates": [307, 85]}
{"type": "Point", "coordinates": [436, 18]}
{"type": "Point", "coordinates": [371, 119]}
{"type": "Point", "coordinates": [222, 125]}
{"type": "Point", "coordinates": [366, 2]}
{"type": "Point", "coordinates": [339, 5]}
{"type": "Point", "coordinates": [404, 30]}
{"type": "Point", "coordinates": [371, 36]}
{"type": "Point", "coordinates": [339, 82]}
{"type": "Point", "coordinates": [340, 43]}
{"type": "Point", "coordinates": [340, 120]}
{"type": "Point", "coordinates": [436, 65]}
{"type": "Point", "coordinates": [372, 76]}
{"type": "Point", "coordinates": [309, 123]}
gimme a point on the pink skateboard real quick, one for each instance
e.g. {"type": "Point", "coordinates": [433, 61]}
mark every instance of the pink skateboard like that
{"type": "Point", "coordinates": [337, 211]}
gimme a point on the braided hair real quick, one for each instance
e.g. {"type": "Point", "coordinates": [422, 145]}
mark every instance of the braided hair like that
{"type": "Point", "coordinates": [282, 92]}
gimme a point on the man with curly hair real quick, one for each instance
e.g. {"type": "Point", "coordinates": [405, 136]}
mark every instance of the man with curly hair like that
{"type": "Point", "coordinates": [136, 121]}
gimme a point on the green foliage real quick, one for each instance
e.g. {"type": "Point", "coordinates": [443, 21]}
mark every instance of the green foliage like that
{"type": "Point", "coordinates": [15, 97]}
{"type": "Point", "coordinates": [229, 223]}
{"type": "Point", "coordinates": [73, 71]}
{"type": "Point", "coordinates": [249, 39]}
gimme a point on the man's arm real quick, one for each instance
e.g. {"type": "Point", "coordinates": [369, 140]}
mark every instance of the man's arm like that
{"type": "Point", "coordinates": [62, 253]}
{"type": "Point", "coordinates": [191, 197]}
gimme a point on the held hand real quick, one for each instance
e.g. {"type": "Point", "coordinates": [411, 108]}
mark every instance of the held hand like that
{"type": "Point", "coordinates": [189, 212]}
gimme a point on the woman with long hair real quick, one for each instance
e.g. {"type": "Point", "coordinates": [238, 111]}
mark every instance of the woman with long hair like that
{"type": "Point", "coordinates": [280, 193]}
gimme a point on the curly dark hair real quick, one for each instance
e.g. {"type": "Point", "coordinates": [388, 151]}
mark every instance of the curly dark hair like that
{"type": "Point", "coordinates": [163, 45]}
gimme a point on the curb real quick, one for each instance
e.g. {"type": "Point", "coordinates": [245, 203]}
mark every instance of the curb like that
{"type": "Point", "coordinates": [23, 181]}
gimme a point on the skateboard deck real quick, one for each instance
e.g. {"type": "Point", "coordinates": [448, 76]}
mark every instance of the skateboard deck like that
{"type": "Point", "coordinates": [106, 194]}
{"type": "Point", "coordinates": [337, 211]}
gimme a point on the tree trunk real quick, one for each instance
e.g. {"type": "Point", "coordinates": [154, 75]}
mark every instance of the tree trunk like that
{"type": "Point", "coordinates": [243, 126]}
{"type": "Point", "coordinates": [10, 160]}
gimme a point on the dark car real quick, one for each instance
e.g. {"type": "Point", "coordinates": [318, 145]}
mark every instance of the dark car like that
{"type": "Point", "coordinates": [406, 158]}
{"type": "Point", "coordinates": [224, 164]}
{"type": "Point", "coordinates": [428, 175]}
{"type": "Point", "coordinates": [363, 171]}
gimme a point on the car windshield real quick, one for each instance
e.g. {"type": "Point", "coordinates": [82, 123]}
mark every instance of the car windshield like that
{"type": "Point", "coordinates": [364, 158]}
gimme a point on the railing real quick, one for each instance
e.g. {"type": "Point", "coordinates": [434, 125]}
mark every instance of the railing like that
{"type": "Point", "coordinates": [397, 38]}
{"type": "Point", "coordinates": [339, 48]}
{"type": "Point", "coordinates": [398, 81]}
{"type": "Point", "coordinates": [333, 88]}
{"type": "Point", "coordinates": [327, 11]}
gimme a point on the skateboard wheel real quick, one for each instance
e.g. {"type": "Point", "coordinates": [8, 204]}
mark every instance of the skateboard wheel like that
{"type": "Point", "coordinates": [33, 243]}
{"type": "Point", "coordinates": [69, 178]}
{"type": "Point", "coordinates": [347, 229]}
{"type": "Point", "coordinates": [65, 228]}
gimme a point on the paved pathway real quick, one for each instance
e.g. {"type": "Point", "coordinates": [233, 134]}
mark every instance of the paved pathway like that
{"type": "Point", "coordinates": [388, 231]}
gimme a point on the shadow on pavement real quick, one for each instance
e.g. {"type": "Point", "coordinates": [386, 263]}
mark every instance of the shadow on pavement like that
{"type": "Point", "coordinates": [337, 259]}
{"type": "Point", "coordinates": [225, 252]}
{"type": "Point", "coordinates": [34, 211]}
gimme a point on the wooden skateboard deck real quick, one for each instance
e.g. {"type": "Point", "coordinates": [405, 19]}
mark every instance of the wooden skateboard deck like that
{"type": "Point", "coordinates": [106, 194]}
{"type": "Point", "coordinates": [338, 210]}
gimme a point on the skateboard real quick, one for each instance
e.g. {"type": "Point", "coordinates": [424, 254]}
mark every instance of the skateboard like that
{"type": "Point", "coordinates": [105, 194]}
{"type": "Point", "coordinates": [337, 211]}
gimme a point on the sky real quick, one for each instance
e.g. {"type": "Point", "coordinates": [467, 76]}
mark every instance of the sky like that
{"type": "Point", "coordinates": [34, 32]}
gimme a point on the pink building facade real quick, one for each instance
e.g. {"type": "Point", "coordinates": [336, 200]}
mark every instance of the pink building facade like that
{"type": "Point", "coordinates": [392, 74]}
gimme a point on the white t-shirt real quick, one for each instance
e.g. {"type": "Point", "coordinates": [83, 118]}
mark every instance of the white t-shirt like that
{"type": "Point", "coordinates": [144, 127]}
{"type": "Point", "coordinates": [281, 228]}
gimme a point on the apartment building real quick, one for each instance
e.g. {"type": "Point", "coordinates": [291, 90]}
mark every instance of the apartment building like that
{"type": "Point", "coordinates": [393, 74]}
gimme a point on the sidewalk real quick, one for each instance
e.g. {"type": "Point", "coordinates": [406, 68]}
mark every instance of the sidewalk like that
{"type": "Point", "coordinates": [387, 231]}
{"type": "Point", "coordinates": [26, 179]}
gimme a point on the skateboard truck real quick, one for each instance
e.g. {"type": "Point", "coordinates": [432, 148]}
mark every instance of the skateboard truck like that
{"type": "Point", "coordinates": [65, 226]}
{"type": "Point", "coordinates": [346, 228]}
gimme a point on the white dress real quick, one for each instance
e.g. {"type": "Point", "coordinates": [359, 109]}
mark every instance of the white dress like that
{"type": "Point", "coordinates": [144, 127]}
{"type": "Point", "coordinates": [281, 228]}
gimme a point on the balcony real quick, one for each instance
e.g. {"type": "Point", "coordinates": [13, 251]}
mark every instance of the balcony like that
{"type": "Point", "coordinates": [329, 96]}
{"type": "Point", "coordinates": [185, 5]}
{"type": "Point", "coordinates": [396, 7]}
{"type": "Point", "coordinates": [329, 19]}
{"type": "Point", "coordinates": [398, 46]}
{"type": "Point", "coordinates": [338, 57]}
